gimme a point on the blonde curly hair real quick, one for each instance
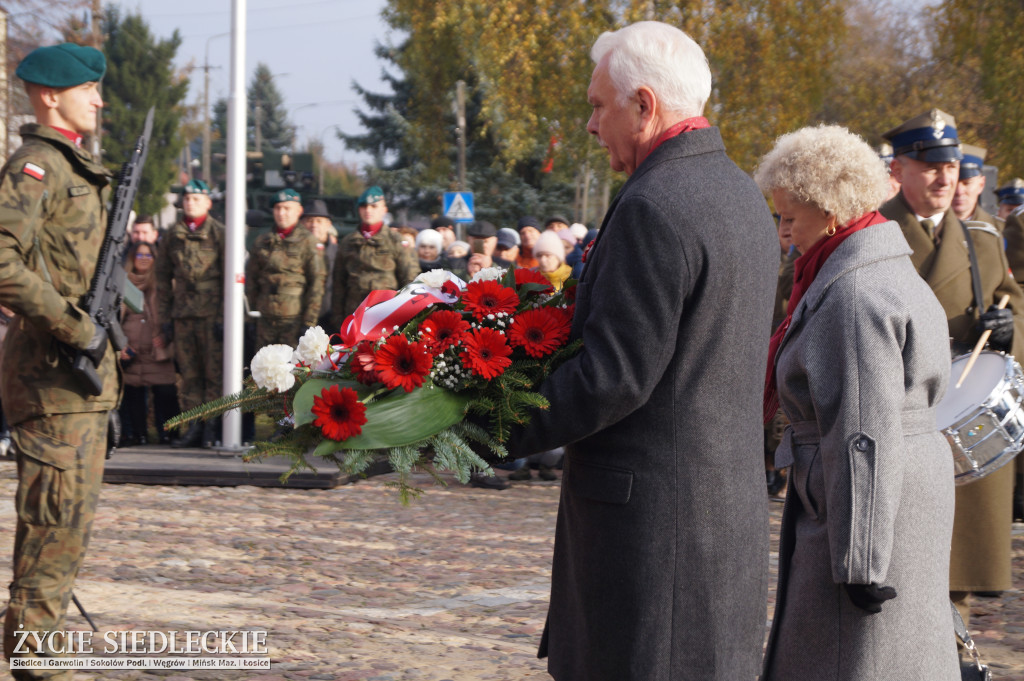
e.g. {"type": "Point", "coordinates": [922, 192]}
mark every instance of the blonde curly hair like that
{"type": "Point", "coordinates": [826, 166]}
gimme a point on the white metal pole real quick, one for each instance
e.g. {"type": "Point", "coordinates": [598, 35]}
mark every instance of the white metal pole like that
{"type": "Point", "coordinates": [234, 256]}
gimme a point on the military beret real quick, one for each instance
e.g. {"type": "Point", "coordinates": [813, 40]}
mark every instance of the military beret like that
{"type": "Point", "coordinates": [65, 65]}
{"type": "Point", "coordinates": [371, 195]}
{"type": "Point", "coordinates": [196, 187]}
{"type": "Point", "coordinates": [482, 230]}
{"type": "Point", "coordinates": [973, 160]}
{"type": "Point", "coordinates": [286, 195]}
{"type": "Point", "coordinates": [929, 137]}
{"type": "Point", "coordinates": [1012, 192]}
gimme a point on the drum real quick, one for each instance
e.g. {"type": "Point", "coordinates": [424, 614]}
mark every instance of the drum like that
{"type": "Point", "coordinates": [983, 419]}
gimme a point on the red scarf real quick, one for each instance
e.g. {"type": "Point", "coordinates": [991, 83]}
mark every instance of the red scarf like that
{"type": "Point", "coordinates": [695, 123]}
{"type": "Point", "coordinates": [370, 230]}
{"type": "Point", "coordinates": [75, 138]}
{"type": "Point", "coordinates": [285, 233]}
{"type": "Point", "coordinates": [806, 268]}
{"type": "Point", "coordinates": [193, 225]}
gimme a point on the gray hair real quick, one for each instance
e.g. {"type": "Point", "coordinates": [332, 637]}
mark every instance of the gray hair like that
{"type": "Point", "coordinates": [826, 166]}
{"type": "Point", "coordinates": [658, 56]}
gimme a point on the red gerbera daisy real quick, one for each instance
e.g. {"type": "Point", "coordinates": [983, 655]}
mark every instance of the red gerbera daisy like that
{"type": "Point", "coordinates": [570, 292]}
{"type": "Point", "coordinates": [364, 364]}
{"type": "Point", "coordinates": [486, 353]}
{"type": "Point", "coordinates": [489, 297]}
{"type": "Point", "coordinates": [403, 364]}
{"type": "Point", "coordinates": [339, 413]}
{"type": "Point", "coordinates": [539, 331]}
{"type": "Point", "coordinates": [442, 329]}
{"type": "Point", "coordinates": [528, 276]}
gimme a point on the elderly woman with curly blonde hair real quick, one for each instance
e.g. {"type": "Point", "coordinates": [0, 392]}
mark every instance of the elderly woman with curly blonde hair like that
{"type": "Point", "coordinates": [858, 365]}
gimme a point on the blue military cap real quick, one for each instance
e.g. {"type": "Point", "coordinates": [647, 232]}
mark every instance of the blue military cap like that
{"type": "Point", "coordinates": [1012, 192]}
{"type": "Point", "coordinates": [885, 152]}
{"type": "Point", "coordinates": [196, 187]}
{"type": "Point", "coordinates": [930, 138]}
{"type": "Point", "coordinates": [60, 66]}
{"type": "Point", "coordinates": [371, 195]}
{"type": "Point", "coordinates": [286, 195]}
{"type": "Point", "coordinates": [972, 162]}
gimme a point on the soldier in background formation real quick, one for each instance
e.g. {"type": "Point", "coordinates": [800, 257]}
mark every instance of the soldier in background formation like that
{"type": "Point", "coordinates": [370, 258]}
{"type": "Point", "coordinates": [52, 226]}
{"type": "Point", "coordinates": [190, 294]}
{"type": "Point", "coordinates": [970, 186]}
{"type": "Point", "coordinates": [284, 276]}
{"type": "Point", "coordinates": [927, 164]}
{"type": "Point", "coordinates": [1011, 197]}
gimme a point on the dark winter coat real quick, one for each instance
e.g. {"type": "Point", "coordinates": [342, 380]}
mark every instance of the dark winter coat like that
{"type": "Point", "coordinates": [661, 548]}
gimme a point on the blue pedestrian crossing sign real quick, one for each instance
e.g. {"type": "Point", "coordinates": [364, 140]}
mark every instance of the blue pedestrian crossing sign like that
{"type": "Point", "coordinates": [459, 206]}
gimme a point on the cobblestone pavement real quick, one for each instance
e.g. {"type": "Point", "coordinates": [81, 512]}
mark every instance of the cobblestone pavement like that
{"type": "Point", "coordinates": [350, 585]}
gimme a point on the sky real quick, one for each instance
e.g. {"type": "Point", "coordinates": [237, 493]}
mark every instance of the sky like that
{"type": "Point", "coordinates": [315, 48]}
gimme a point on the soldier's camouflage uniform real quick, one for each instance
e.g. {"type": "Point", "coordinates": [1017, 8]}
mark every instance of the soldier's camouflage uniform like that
{"type": "Point", "coordinates": [190, 291]}
{"type": "Point", "coordinates": [52, 224]}
{"type": "Point", "coordinates": [363, 265]}
{"type": "Point", "coordinates": [284, 280]}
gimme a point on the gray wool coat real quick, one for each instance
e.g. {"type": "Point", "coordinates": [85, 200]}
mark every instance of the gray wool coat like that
{"type": "Point", "coordinates": [864, 363]}
{"type": "Point", "coordinates": [661, 546]}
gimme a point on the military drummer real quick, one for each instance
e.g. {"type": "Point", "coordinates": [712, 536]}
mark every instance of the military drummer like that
{"type": "Point", "coordinates": [284, 276]}
{"type": "Point", "coordinates": [52, 225]}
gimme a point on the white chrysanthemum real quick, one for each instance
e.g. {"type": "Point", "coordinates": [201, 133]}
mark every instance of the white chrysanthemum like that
{"type": "Point", "coordinates": [272, 368]}
{"type": "Point", "coordinates": [312, 346]}
{"type": "Point", "coordinates": [489, 273]}
{"type": "Point", "coordinates": [434, 278]}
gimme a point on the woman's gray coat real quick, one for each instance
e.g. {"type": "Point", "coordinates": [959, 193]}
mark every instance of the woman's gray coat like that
{"type": "Point", "coordinates": [864, 362]}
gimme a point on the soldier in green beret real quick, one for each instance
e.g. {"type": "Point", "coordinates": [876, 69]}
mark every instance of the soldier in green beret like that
{"type": "Point", "coordinates": [190, 291]}
{"type": "Point", "coordinates": [284, 276]}
{"type": "Point", "coordinates": [52, 225]}
{"type": "Point", "coordinates": [370, 258]}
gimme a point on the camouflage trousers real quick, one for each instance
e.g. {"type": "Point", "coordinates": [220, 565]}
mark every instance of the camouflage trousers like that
{"type": "Point", "coordinates": [199, 353]}
{"type": "Point", "coordinates": [278, 330]}
{"type": "Point", "coordinates": [60, 469]}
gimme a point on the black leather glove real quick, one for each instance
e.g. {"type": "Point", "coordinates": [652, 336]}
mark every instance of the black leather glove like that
{"type": "Point", "coordinates": [1000, 322]}
{"type": "Point", "coordinates": [167, 331]}
{"type": "Point", "coordinates": [869, 597]}
{"type": "Point", "coordinates": [97, 346]}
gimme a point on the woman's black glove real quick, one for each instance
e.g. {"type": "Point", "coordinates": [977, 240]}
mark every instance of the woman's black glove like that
{"type": "Point", "coordinates": [1000, 323]}
{"type": "Point", "coordinates": [869, 597]}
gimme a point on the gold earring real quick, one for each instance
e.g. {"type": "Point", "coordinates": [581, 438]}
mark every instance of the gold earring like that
{"type": "Point", "coordinates": [830, 230]}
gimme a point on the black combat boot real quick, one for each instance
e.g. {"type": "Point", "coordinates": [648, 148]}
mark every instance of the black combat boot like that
{"type": "Point", "coordinates": [193, 437]}
{"type": "Point", "coordinates": [211, 433]}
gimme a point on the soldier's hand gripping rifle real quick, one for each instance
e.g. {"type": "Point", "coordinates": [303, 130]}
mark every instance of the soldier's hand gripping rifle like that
{"type": "Point", "coordinates": [103, 300]}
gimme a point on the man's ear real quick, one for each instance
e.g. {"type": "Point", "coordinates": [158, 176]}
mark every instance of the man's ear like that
{"type": "Point", "coordinates": [648, 103]}
{"type": "Point", "coordinates": [896, 170]}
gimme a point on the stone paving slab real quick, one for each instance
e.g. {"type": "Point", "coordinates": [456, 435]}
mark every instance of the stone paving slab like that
{"type": "Point", "coordinates": [351, 586]}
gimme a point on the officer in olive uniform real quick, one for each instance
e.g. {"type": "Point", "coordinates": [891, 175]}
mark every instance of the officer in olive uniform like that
{"type": "Point", "coordinates": [927, 164]}
{"type": "Point", "coordinates": [284, 276]}
{"type": "Point", "coordinates": [1011, 197]}
{"type": "Point", "coordinates": [190, 293]}
{"type": "Point", "coordinates": [970, 187]}
{"type": "Point", "coordinates": [52, 225]}
{"type": "Point", "coordinates": [369, 259]}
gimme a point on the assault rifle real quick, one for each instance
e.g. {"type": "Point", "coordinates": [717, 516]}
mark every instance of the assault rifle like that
{"type": "Point", "coordinates": [103, 300]}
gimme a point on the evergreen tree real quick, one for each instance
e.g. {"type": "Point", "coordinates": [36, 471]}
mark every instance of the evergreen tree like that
{"type": "Point", "coordinates": [266, 105]}
{"type": "Point", "coordinates": [140, 75]}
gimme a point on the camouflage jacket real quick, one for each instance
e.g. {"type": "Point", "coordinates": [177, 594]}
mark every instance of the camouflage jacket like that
{"type": "Point", "coordinates": [285, 277]}
{"type": "Point", "coordinates": [52, 224]}
{"type": "Point", "coordinates": [190, 271]}
{"type": "Point", "coordinates": [363, 265]}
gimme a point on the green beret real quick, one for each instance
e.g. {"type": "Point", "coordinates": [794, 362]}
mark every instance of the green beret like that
{"type": "Point", "coordinates": [371, 195]}
{"type": "Point", "coordinates": [286, 195]}
{"type": "Point", "coordinates": [60, 66]}
{"type": "Point", "coordinates": [196, 187]}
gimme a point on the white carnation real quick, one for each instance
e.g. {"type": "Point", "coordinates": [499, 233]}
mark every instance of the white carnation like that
{"type": "Point", "coordinates": [312, 346]}
{"type": "Point", "coordinates": [434, 278]}
{"type": "Point", "coordinates": [272, 368]}
{"type": "Point", "coordinates": [489, 273]}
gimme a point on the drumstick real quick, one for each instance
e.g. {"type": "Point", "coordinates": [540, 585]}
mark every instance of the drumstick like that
{"type": "Point", "coordinates": [981, 343]}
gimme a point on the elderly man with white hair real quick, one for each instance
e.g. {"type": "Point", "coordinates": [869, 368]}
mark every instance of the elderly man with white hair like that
{"type": "Point", "coordinates": [660, 565]}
